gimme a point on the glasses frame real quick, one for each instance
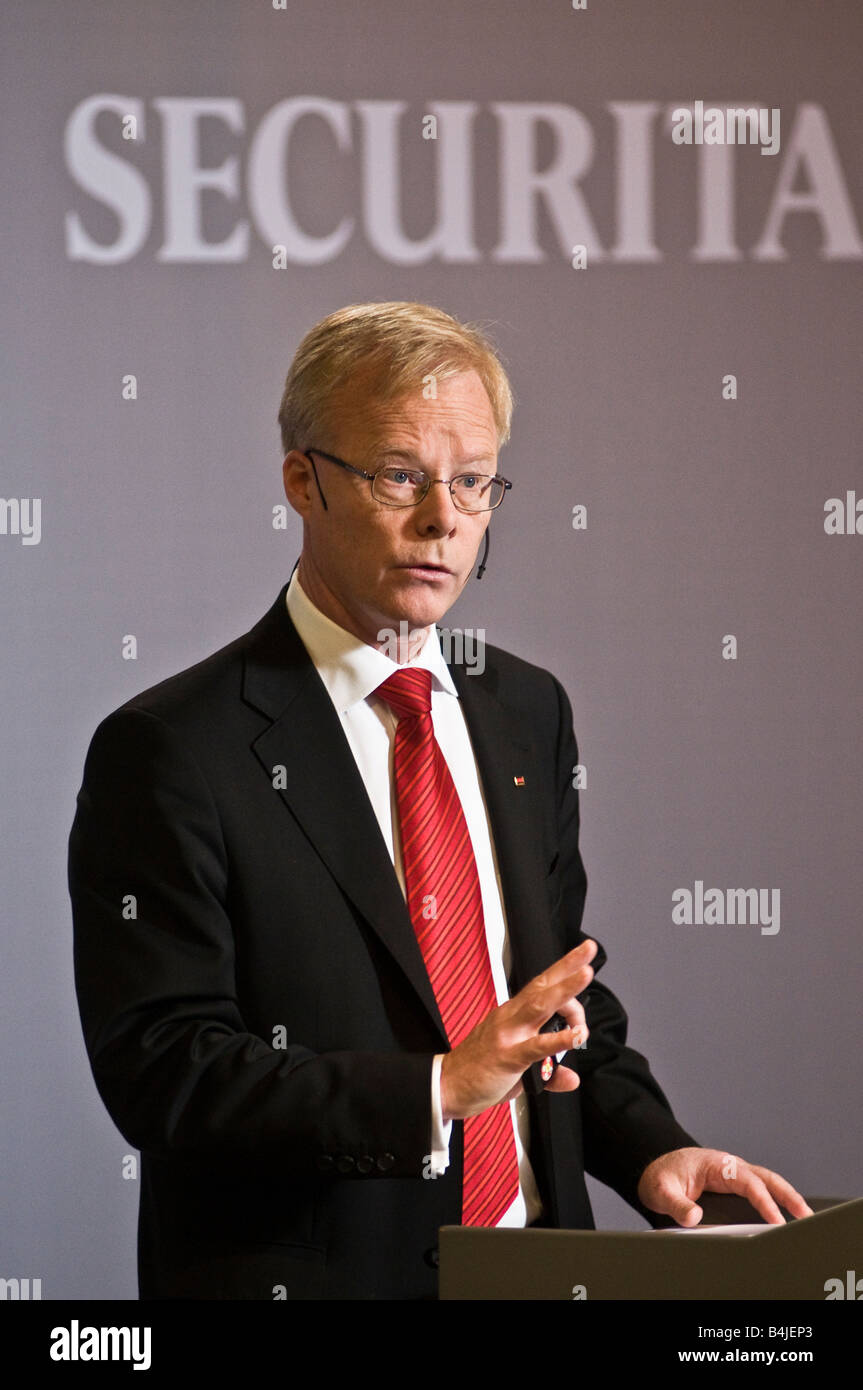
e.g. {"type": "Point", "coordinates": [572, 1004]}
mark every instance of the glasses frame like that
{"type": "Point", "coordinates": [402, 506]}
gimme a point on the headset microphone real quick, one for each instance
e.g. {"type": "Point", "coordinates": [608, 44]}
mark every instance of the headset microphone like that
{"type": "Point", "coordinates": [484, 559]}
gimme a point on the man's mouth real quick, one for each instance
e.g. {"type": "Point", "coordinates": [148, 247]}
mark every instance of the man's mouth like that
{"type": "Point", "coordinates": [424, 567]}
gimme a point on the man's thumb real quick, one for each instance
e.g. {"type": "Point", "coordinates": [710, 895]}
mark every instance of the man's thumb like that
{"type": "Point", "coordinates": [686, 1213]}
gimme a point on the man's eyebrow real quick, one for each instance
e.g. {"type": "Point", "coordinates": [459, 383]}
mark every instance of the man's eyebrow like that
{"type": "Point", "coordinates": [387, 450]}
{"type": "Point", "coordinates": [393, 451]}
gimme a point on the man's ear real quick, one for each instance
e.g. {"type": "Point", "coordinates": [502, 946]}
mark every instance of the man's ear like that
{"type": "Point", "coordinates": [299, 482]}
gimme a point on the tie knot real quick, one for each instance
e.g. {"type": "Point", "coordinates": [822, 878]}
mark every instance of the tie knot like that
{"type": "Point", "coordinates": [407, 691]}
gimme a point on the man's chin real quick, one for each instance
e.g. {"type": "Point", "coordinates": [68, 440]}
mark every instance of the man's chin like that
{"type": "Point", "coordinates": [414, 620]}
{"type": "Point", "coordinates": [421, 604]}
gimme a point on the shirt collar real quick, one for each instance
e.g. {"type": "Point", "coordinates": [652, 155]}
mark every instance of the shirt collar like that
{"type": "Point", "coordinates": [350, 669]}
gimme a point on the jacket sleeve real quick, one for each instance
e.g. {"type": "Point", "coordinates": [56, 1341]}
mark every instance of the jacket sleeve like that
{"type": "Point", "coordinates": [627, 1120]}
{"type": "Point", "coordinates": [179, 1072]}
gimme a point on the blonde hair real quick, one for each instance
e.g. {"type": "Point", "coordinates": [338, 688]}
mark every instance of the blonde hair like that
{"type": "Point", "coordinates": [395, 344]}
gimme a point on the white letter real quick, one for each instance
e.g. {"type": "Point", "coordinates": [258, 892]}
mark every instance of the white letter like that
{"type": "Point", "coordinates": [60, 1344]}
{"type": "Point", "coordinates": [267, 192]}
{"type": "Point", "coordinates": [634, 179]}
{"type": "Point", "coordinates": [769, 138]}
{"type": "Point", "coordinates": [31, 530]}
{"type": "Point", "coordinates": [811, 146]}
{"type": "Point", "coordinates": [452, 239]}
{"type": "Point", "coordinates": [184, 178]}
{"type": "Point", "coordinates": [141, 1352]}
{"type": "Point", "coordinates": [106, 177]}
{"type": "Point", "coordinates": [681, 126]}
{"type": "Point", "coordinates": [770, 925]}
{"type": "Point", "coordinates": [715, 198]}
{"type": "Point", "coordinates": [522, 185]}
{"type": "Point", "coordinates": [834, 522]}
{"type": "Point", "coordinates": [682, 910]}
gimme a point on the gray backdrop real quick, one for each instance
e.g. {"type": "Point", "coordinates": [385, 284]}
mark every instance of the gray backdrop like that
{"type": "Point", "coordinates": [705, 514]}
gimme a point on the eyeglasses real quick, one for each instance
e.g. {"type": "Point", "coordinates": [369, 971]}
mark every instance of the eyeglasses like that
{"type": "Point", "coordinates": [395, 486]}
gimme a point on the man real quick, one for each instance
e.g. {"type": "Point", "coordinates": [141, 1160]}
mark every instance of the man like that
{"type": "Point", "coordinates": [328, 892]}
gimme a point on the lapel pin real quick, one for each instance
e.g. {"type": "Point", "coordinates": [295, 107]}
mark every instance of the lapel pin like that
{"type": "Point", "coordinates": [519, 781]}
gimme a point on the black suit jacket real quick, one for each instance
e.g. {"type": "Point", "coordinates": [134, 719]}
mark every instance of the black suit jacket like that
{"type": "Point", "coordinates": [255, 1005]}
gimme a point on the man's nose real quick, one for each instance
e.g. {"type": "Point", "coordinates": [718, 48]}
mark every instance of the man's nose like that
{"type": "Point", "coordinates": [437, 508]}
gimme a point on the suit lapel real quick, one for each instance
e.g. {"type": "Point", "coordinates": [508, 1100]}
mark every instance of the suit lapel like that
{"type": "Point", "coordinates": [323, 788]}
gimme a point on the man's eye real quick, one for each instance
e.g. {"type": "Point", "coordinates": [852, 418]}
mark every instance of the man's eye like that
{"type": "Point", "coordinates": [401, 476]}
{"type": "Point", "coordinates": [469, 481]}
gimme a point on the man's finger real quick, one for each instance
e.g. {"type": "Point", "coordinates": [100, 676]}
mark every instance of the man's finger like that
{"type": "Point", "coordinates": [539, 1007]}
{"type": "Point", "coordinates": [542, 1045]}
{"type": "Point", "coordinates": [777, 1186]}
{"type": "Point", "coordinates": [582, 954]}
{"type": "Point", "coordinates": [563, 1079]}
{"type": "Point", "coordinates": [572, 1012]}
{"type": "Point", "coordinates": [753, 1188]}
{"type": "Point", "coordinates": [669, 1199]}
{"type": "Point", "coordinates": [567, 965]}
{"type": "Point", "coordinates": [546, 994]}
{"type": "Point", "coordinates": [685, 1213]}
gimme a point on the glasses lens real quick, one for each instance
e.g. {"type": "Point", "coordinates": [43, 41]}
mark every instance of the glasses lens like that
{"type": "Point", "coordinates": [477, 492]}
{"type": "Point", "coordinates": [405, 487]}
{"type": "Point", "coordinates": [399, 487]}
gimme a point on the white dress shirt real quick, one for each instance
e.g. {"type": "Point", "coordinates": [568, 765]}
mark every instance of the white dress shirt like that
{"type": "Point", "coordinates": [351, 671]}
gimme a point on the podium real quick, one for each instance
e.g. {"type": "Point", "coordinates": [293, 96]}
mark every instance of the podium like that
{"type": "Point", "coordinates": [759, 1261]}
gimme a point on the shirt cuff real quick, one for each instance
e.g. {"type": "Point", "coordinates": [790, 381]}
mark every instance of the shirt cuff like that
{"type": "Point", "coordinates": [440, 1132]}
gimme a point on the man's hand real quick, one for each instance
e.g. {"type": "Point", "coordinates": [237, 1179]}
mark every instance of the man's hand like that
{"type": "Point", "coordinates": [487, 1066]}
{"type": "Point", "coordinates": [672, 1184]}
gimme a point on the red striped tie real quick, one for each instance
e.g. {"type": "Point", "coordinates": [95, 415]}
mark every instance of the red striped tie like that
{"type": "Point", "coordinates": [445, 904]}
